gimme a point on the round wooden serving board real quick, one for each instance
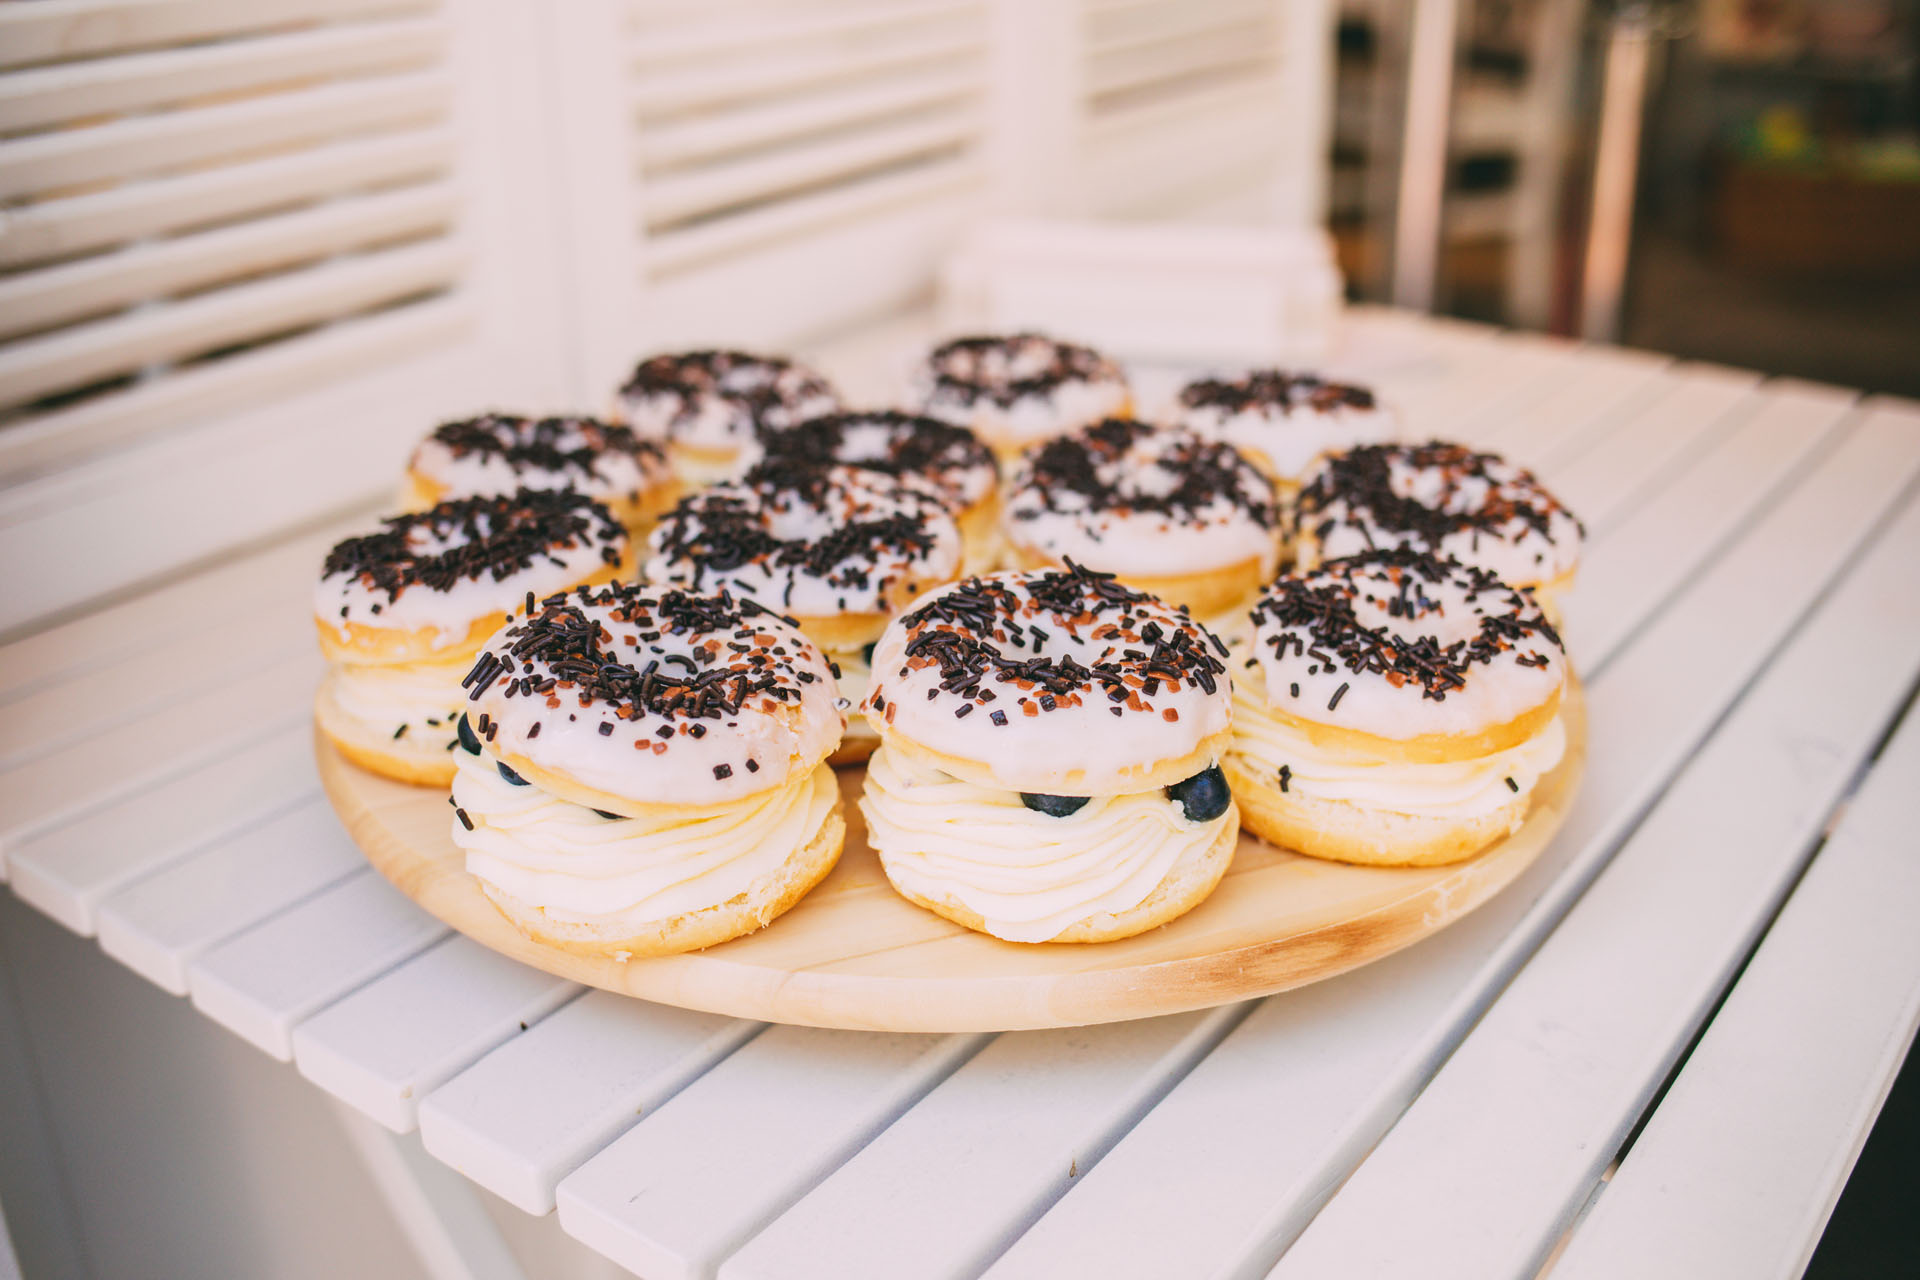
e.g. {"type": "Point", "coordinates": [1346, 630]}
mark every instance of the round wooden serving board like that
{"type": "Point", "coordinates": [854, 954]}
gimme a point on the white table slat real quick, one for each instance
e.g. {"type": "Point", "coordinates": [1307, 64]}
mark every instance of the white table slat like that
{"type": "Point", "coordinates": [153, 747]}
{"type": "Point", "coordinates": [1539, 1097]}
{"type": "Point", "coordinates": [68, 870]}
{"type": "Point", "coordinates": [262, 983]}
{"type": "Point", "coordinates": [156, 925]}
{"type": "Point", "coordinates": [1600, 385]}
{"type": "Point", "coordinates": [1600, 484]}
{"type": "Point", "coordinates": [409, 1031]}
{"type": "Point", "coordinates": [1504, 377]}
{"type": "Point", "coordinates": [951, 1183]}
{"type": "Point", "coordinates": [275, 582]}
{"type": "Point", "coordinates": [1739, 1168]}
{"type": "Point", "coordinates": [1330, 1066]}
{"type": "Point", "coordinates": [530, 1112]}
{"type": "Point", "coordinates": [1699, 509]}
{"type": "Point", "coordinates": [170, 669]}
{"type": "Point", "coordinates": [690, 1183]}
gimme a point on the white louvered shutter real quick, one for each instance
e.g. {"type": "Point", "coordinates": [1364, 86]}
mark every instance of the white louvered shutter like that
{"type": "Point", "coordinates": [794, 164]}
{"type": "Point", "coordinates": [1201, 105]}
{"type": "Point", "coordinates": [243, 261]}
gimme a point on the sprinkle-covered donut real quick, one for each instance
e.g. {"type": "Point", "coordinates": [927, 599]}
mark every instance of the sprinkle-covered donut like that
{"type": "Point", "coordinates": [1477, 508]}
{"type": "Point", "coordinates": [709, 406]}
{"type": "Point", "coordinates": [1048, 762]}
{"type": "Point", "coordinates": [949, 457]}
{"type": "Point", "coordinates": [401, 611]}
{"type": "Point", "coordinates": [641, 769]}
{"type": "Point", "coordinates": [498, 453]}
{"type": "Point", "coordinates": [1181, 517]}
{"type": "Point", "coordinates": [1397, 708]}
{"type": "Point", "coordinates": [1284, 421]}
{"type": "Point", "coordinates": [1018, 389]}
{"type": "Point", "coordinates": [814, 542]}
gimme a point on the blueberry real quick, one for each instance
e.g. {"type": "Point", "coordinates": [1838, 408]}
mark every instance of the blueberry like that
{"type": "Point", "coordinates": [1053, 806]}
{"type": "Point", "coordinates": [513, 777]}
{"type": "Point", "coordinates": [468, 738]}
{"type": "Point", "coordinates": [1204, 796]}
{"type": "Point", "coordinates": [610, 817]}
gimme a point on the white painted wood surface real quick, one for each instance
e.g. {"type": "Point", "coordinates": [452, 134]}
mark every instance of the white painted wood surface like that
{"type": "Point", "coordinates": [1721, 509]}
{"type": "Point", "coordinates": [1740, 1166]}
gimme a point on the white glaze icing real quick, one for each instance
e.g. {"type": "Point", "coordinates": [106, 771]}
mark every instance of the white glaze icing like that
{"type": "Point", "coordinates": [1400, 606]}
{"type": "Point", "coordinates": [720, 400]}
{"type": "Point", "coordinates": [1125, 525]}
{"type": "Point", "coordinates": [574, 453]}
{"type": "Point", "coordinates": [581, 867]}
{"type": "Point", "coordinates": [1287, 421]}
{"type": "Point", "coordinates": [1079, 746]}
{"type": "Point", "coordinates": [1028, 875]}
{"type": "Point", "coordinates": [886, 440]}
{"type": "Point", "coordinates": [449, 612]}
{"type": "Point", "coordinates": [1466, 788]}
{"type": "Point", "coordinates": [701, 760]}
{"type": "Point", "coordinates": [1514, 549]}
{"type": "Point", "coordinates": [782, 527]}
{"type": "Point", "coordinates": [979, 389]}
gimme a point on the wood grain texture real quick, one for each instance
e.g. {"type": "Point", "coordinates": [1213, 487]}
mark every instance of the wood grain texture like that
{"type": "Point", "coordinates": [854, 954]}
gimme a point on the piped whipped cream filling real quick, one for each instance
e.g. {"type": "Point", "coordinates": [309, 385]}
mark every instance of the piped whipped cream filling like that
{"type": "Point", "coordinates": [582, 867]}
{"type": "Point", "coordinates": [1027, 875]}
{"type": "Point", "coordinates": [1271, 747]}
{"type": "Point", "coordinates": [422, 698]}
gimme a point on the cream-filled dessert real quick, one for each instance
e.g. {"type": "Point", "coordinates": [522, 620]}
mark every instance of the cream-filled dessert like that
{"type": "Point", "coordinates": [498, 453]}
{"type": "Point", "coordinates": [1397, 709]}
{"type": "Point", "coordinates": [1173, 514]}
{"type": "Point", "coordinates": [1048, 768]}
{"type": "Point", "coordinates": [642, 769]}
{"type": "Point", "coordinates": [709, 407]}
{"type": "Point", "coordinates": [401, 612]}
{"type": "Point", "coordinates": [839, 549]}
{"type": "Point", "coordinates": [1445, 499]}
{"type": "Point", "coordinates": [1285, 422]}
{"type": "Point", "coordinates": [1017, 390]}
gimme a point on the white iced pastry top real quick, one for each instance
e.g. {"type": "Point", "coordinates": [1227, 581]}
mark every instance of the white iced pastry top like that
{"type": "Point", "coordinates": [498, 453]}
{"type": "Point", "coordinates": [812, 542]}
{"type": "Point", "coordinates": [1399, 645]}
{"type": "Point", "coordinates": [1021, 388]}
{"type": "Point", "coordinates": [1060, 682]}
{"type": "Point", "coordinates": [656, 696]}
{"type": "Point", "coordinates": [1286, 420]}
{"type": "Point", "coordinates": [1477, 508]}
{"type": "Point", "coordinates": [466, 559]}
{"type": "Point", "coordinates": [1127, 497]}
{"type": "Point", "coordinates": [946, 454]}
{"type": "Point", "coordinates": [720, 400]}
{"type": "Point", "coordinates": [1027, 875]}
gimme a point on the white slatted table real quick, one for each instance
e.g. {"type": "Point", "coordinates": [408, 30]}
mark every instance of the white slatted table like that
{"type": "Point", "coordinates": [1749, 631]}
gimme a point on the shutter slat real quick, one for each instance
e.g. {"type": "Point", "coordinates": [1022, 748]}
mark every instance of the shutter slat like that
{"type": "Point", "coordinates": [49, 30]}
{"type": "Point", "coordinates": [686, 196]}
{"type": "Point", "coordinates": [192, 394]}
{"type": "Point", "coordinates": [79, 224]}
{"type": "Point", "coordinates": [668, 89]}
{"type": "Point", "coordinates": [94, 286]}
{"type": "Point", "coordinates": [741, 130]}
{"type": "Point", "coordinates": [678, 250]}
{"type": "Point", "coordinates": [1145, 23]}
{"type": "Point", "coordinates": [146, 144]}
{"type": "Point", "coordinates": [74, 358]}
{"type": "Point", "coordinates": [143, 81]}
{"type": "Point", "coordinates": [1216, 50]}
{"type": "Point", "coordinates": [666, 39]}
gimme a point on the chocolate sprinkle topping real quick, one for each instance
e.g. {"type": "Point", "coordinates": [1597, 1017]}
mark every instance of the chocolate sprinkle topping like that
{"type": "Point", "coordinates": [1272, 389]}
{"type": "Point", "coordinates": [490, 537]}
{"type": "Point", "coordinates": [540, 444]}
{"type": "Point", "coordinates": [1320, 604]}
{"type": "Point", "coordinates": [912, 445]}
{"type": "Point", "coordinates": [1003, 370]}
{"type": "Point", "coordinates": [1066, 475]}
{"type": "Point", "coordinates": [766, 391]}
{"type": "Point", "coordinates": [1478, 494]}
